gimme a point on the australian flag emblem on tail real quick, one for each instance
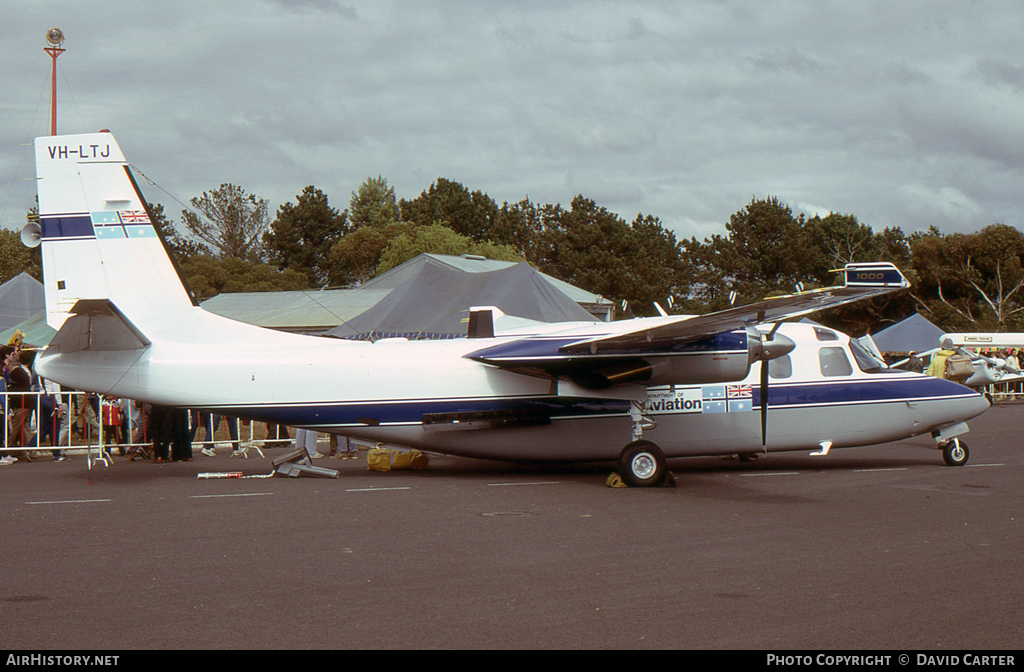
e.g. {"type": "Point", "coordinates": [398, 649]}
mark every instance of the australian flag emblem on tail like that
{"type": "Point", "coordinates": [133, 216]}
{"type": "Point", "coordinates": [739, 392]}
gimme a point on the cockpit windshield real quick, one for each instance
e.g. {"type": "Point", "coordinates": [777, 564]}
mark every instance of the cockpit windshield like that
{"type": "Point", "coordinates": [865, 361]}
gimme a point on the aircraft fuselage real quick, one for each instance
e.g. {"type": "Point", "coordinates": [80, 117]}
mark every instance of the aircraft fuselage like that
{"type": "Point", "coordinates": [428, 395]}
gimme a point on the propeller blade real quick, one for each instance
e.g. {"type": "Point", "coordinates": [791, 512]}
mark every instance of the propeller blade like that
{"type": "Point", "coordinates": [783, 346]}
{"type": "Point", "coordinates": [764, 406]}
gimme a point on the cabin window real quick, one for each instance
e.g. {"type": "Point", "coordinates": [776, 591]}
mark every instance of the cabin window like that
{"type": "Point", "coordinates": [834, 362]}
{"type": "Point", "coordinates": [780, 367]}
{"type": "Point", "coordinates": [825, 334]}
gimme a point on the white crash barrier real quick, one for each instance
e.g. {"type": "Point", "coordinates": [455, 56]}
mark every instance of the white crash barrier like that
{"type": "Point", "coordinates": [76, 425]}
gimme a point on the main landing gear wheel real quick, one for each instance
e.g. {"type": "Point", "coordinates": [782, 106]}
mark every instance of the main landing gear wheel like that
{"type": "Point", "coordinates": [955, 453]}
{"type": "Point", "coordinates": [642, 464]}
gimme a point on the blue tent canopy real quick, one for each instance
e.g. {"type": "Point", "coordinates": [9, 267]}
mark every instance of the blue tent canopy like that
{"type": "Point", "coordinates": [21, 297]}
{"type": "Point", "coordinates": [914, 334]}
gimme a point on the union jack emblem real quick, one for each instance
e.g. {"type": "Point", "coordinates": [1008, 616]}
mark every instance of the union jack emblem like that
{"type": "Point", "coordinates": [133, 216]}
{"type": "Point", "coordinates": [739, 392]}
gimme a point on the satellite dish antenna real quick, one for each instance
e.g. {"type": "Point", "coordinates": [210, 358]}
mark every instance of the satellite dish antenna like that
{"type": "Point", "coordinates": [31, 235]}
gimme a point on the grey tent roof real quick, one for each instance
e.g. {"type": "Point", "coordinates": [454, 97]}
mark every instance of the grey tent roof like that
{"type": "Point", "coordinates": [914, 334]}
{"type": "Point", "coordinates": [37, 332]}
{"type": "Point", "coordinates": [304, 310]}
{"type": "Point", "coordinates": [468, 263]}
{"type": "Point", "coordinates": [434, 302]}
{"type": "Point", "coordinates": [21, 297]}
{"type": "Point", "coordinates": [315, 311]}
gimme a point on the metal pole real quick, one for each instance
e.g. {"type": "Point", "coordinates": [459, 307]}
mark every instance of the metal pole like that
{"type": "Point", "coordinates": [55, 37]}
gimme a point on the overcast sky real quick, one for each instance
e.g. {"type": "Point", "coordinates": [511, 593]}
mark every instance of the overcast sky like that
{"type": "Point", "coordinates": [904, 113]}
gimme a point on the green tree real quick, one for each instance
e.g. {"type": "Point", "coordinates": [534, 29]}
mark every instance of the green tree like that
{"type": "Point", "coordinates": [356, 256]}
{"type": "Point", "coordinates": [208, 276]}
{"type": "Point", "coordinates": [439, 239]}
{"type": "Point", "coordinates": [471, 214]}
{"type": "Point", "coordinates": [374, 221]}
{"type": "Point", "coordinates": [832, 242]}
{"type": "Point", "coordinates": [768, 250]}
{"type": "Point", "coordinates": [835, 240]}
{"type": "Point", "coordinates": [302, 235]}
{"type": "Point", "coordinates": [764, 252]}
{"type": "Point", "coordinates": [15, 258]}
{"type": "Point", "coordinates": [181, 247]}
{"type": "Point", "coordinates": [521, 225]}
{"type": "Point", "coordinates": [230, 221]}
{"type": "Point", "coordinates": [894, 246]}
{"type": "Point", "coordinates": [373, 204]}
{"type": "Point", "coordinates": [656, 261]}
{"type": "Point", "coordinates": [972, 280]}
{"type": "Point", "coordinates": [597, 250]}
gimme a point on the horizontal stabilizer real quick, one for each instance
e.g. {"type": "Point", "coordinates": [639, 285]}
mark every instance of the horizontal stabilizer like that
{"type": "Point", "coordinates": [97, 325]}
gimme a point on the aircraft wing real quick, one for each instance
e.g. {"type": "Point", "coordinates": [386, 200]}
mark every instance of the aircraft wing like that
{"type": "Point", "coordinates": [861, 281]}
{"type": "Point", "coordinates": [713, 345]}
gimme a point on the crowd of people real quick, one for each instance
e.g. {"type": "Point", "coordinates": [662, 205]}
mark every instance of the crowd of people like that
{"type": "Point", "coordinates": [134, 429]}
{"type": "Point", "coordinates": [938, 366]}
{"type": "Point", "coordinates": [1010, 356]}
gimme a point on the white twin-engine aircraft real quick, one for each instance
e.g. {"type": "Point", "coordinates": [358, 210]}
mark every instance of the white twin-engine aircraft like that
{"type": "Point", "coordinates": [988, 369]}
{"type": "Point", "coordinates": [636, 391]}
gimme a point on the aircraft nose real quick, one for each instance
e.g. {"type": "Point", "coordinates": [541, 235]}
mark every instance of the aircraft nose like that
{"type": "Point", "coordinates": [974, 405]}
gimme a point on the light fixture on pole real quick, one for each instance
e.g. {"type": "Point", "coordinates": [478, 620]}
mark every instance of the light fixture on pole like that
{"type": "Point", "coordinates": [55, 36]}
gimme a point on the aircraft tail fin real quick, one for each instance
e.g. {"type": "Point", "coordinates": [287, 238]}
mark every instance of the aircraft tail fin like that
{"type": "Point", "coordinates": [97, 236]}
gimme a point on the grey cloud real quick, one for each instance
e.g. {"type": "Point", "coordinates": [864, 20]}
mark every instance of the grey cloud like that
{"type": "Point", "coordinates": [900, 113]}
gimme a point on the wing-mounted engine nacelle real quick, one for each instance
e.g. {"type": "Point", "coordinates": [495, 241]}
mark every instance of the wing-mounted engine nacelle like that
{"type": "Point", "coordinates": [718, 358]}
{"type": "Point", "coordinates": [722, 359]}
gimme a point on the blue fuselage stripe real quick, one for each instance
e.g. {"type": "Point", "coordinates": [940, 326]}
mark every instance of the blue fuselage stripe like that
{"type": "Point", "coordinates": [66, 226]}
{"type": "Point", "coordinates": [411, 411]}
{"type": "Point", "coordinates": [860, 391]}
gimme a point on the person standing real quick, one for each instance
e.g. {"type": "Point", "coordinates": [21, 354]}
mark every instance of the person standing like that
{"type": "Point", "coordinates": [52, 417]}
{"type": "Point", "coordinates": [306, 439]}
{"type": "Point", "coordinates": [22, 405]}
{"type": "Point", "coordinates": [159, 430]}
{"type": "Point", "coordinates": [181, 442]}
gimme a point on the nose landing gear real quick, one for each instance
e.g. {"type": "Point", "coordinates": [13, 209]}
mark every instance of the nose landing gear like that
{"type": "Point", "coordinates": [955, 452]}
